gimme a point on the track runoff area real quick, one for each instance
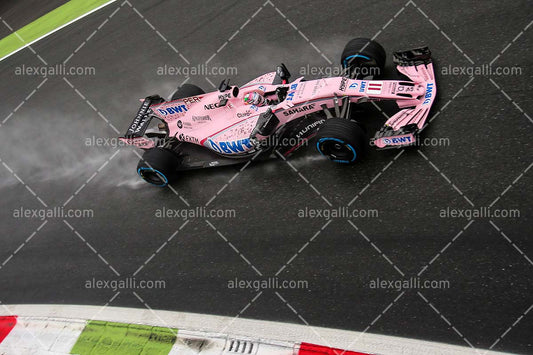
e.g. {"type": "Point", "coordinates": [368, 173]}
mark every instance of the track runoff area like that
{"type": "Point", "coordinates": [44, 26]}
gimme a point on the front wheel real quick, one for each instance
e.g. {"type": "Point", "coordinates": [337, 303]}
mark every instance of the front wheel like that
{"type": "Point", "coordinates": [342, 140]}
{"type": "Point", "coordinates": [363, 57]}
{"type": "Point", "coordinates": [158, 166]}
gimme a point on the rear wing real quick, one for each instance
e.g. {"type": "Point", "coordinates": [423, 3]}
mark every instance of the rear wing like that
{"type": "Point", "coordinates": [135, 133]}
{"type": "Point", "coordinates": [402, 129]}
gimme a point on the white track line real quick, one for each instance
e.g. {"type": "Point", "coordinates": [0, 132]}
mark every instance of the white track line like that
{"type": "Point", "coordinates": [255, 329]}
{"type": "Point", "coordinates": [57, 29]}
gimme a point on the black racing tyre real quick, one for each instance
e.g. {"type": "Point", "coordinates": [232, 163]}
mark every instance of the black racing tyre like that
{"type": "Point", "coordinates": [187, 90]}
{"type": "Point", "coordinates": [158, 166]}
{"type": "Point", "coordinates": [364, 55]}
{"type": "Point", "coordinates": [342, 140]}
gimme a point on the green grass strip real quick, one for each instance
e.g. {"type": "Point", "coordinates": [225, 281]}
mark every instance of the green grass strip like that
{"type": "Point", "coordinates": [47, 23]}
{"type": "Point", "coordinates": [124, 339]}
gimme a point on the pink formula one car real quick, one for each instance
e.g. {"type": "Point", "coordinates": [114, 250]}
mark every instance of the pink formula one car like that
{"type": "Point", "coordinates": [272, 116]}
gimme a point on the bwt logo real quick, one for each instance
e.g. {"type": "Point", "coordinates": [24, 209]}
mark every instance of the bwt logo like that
{"type": "Point", "coordinates": [398, 140]}
{"type": "Point", "coordinates": [232, 147]}
{"type": "Point", "coordinates": [172, 110]}
{"type": "Point", "coordinates": [363, 86]}
{"type": "Point", "coordinates": [429, 93]}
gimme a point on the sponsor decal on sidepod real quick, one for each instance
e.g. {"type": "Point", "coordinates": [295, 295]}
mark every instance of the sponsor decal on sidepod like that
{"type": "Point", "coordinates": [232, 147]}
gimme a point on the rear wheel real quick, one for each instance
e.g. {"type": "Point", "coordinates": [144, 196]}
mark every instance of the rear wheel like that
{"type": "Point", "coordinates": [342, 140]}
{"type": "Point", "coordinates": [158, 166]}
{"type": "Point", "coordinates": [187, 90]}
{"type": "Point", "coordinates": [363, 57]}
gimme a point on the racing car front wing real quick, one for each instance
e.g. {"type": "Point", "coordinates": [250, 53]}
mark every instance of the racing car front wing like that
{"type": "Point", "coordinates": [402, 129]}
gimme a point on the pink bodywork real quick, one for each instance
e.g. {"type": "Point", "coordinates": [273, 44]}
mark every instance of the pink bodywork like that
{"type": "Point", "coordinates": [227, 129]}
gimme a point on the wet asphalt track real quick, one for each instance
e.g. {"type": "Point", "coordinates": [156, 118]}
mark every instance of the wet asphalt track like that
{"type": "Point", "coordinates": [44, 144]}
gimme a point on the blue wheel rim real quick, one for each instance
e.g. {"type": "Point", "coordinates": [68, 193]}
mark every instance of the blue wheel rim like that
{"type": "Point", "coordinates": [160, 174]}
{"type": "Point", "coordinates": [345, 62]}
{"type": "Point", "coordinates": [322, 140]}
